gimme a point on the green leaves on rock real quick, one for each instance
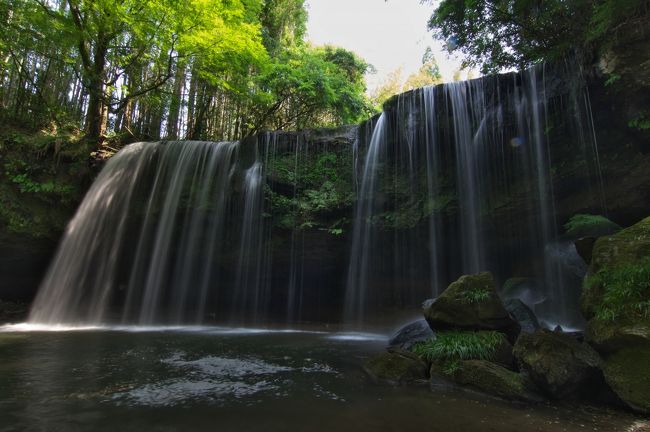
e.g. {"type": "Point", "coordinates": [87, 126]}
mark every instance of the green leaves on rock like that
{"type": "Point", "coordinates": [460, 345]}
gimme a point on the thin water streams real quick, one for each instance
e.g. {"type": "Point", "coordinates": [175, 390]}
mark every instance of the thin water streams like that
{"type": "Point", "coordinates": [449, 180]}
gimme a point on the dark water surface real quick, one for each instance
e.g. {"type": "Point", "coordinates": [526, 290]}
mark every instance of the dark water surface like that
{"type": "Point", "coordinates": [236, 380]}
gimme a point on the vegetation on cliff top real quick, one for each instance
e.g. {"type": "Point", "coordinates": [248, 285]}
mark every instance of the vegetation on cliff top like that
{"type": "Point", "coordinates": [498, 34]}
{"type": "Point", "coordinates": [210, 69]}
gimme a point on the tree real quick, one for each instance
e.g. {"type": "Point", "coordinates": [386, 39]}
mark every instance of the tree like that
{"type": "Point", "coordinates": [497, 34]}
{"type": "Point", "coordinates": [310, 86]}
{"type": "Point", "coordinates": [150, 69]}
{"type": "Point", "coordinates": [428, 74]}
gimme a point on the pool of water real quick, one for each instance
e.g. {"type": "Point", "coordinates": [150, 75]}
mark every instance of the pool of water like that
{"type": "Point", "coordinates": [226, 379]}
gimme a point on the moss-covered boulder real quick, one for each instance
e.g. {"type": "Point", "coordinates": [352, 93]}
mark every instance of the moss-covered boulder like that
{"type": "Point", "coordinates": [558, 363]}
{"type": "Point", "coordinates": [396, 367]}
{"type": "Point", "coordinates": [611, 336]}
{"type": "Point", "coordinates": [619, 262]}
{"type": "Point", "coordinates": [496, 380]}
{"type": "Point", "coordinates": [627, 372]}
{"type": "Point", "coordinates": [616, 300]}
{"type": "Point", "coordinates": [471, 303]}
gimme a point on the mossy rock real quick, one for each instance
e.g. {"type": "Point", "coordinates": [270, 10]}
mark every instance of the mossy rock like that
{"type": "Point", "coordinates": [496, 380]}
{"type": "Point", "coordinates": [608, 337]}
{"type": "Point", "coordinates": [588, 225]}
{"type": "Point", "coordinates": [628, 373]}
{"type": "Point", "coordinates": [396, 368]}
{"type": "Point", "coordinates": [471, 303]}
{"type": "Point", "coordinates": [628, 247]}
{"type": "Point", "coordinates": [557, 362]}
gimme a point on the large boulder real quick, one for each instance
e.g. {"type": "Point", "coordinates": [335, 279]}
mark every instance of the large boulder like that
{"type": "Point", "coordinates": [627, 247]}
{"type": "Point", "coordinates": [616, 300]}
{"type": "Point", "coordinates": [557, 362]}
{"type": "Point", "coordinates": [627, 372]}
{"type": "Point", "coordinates": [471, 303]}
{"type": "Point", "coordinates": [396, 367]}
{"type": "Point", "coordinates": [411, 334]}
{"type": "Point", "coordinates": [608, 337]}
{"type": "Point", "coordinates": [494, 379]}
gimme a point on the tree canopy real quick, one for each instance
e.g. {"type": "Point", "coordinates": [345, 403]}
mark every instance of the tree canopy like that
{"type": "Point", "coordinates": [497, 34]}
{"type": "Point", "coordinates": [200, 69]}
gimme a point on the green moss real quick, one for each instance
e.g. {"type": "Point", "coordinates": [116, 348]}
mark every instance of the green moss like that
{"type": "Point", "coordinates": [316, 188]}
{"type": "Point", "coordinates": [41, 180]}
{"type": "Point", "coordinates": [587, 225]}
{"type": "Point", "coordinates": [453, 346]}
{"type": "Point", "coordinates": [628, 373]}
{"type": "Point", "coordinates": [617, 287]}
{"type": "Point", "coordinates": [395, 368]}
{"type": "Point", "coordinates": [494, 379]}
{"type": "Point", "coordinates": [625, 291]}
{"type": "Point", "coordinates": [641, 121]}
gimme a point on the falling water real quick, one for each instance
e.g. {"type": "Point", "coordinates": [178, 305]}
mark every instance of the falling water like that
{"type": "Point", "coordinates": [486, 186]}
{"type": "Point", "coordinates": [448, 180]}
{"type": "Point", "coordinates": [185, 203]}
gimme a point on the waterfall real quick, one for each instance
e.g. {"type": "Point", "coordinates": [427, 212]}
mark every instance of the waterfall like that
{"type": "Point", "coordinates": [148, 234]}
{"type": "Point", "coordinates": [475, 160]}
{"type": "Point", "coordinates": [293, 227]}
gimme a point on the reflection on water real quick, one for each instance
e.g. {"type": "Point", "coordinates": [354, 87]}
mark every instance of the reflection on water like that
{"type": "Point", "coordinates": [222, 379]}
{"type": "Point", "coordinates": [239, 380]}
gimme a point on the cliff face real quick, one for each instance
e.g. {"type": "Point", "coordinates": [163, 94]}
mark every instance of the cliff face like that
{"type": "Point", "coordinates": [313, 179]}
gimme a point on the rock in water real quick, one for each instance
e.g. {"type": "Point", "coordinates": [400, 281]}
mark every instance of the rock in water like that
{"type": "Point", "coordinates": [396, 368]}
{"type": "Point", "coordinates": [557, 362]}
{"type": "Point", "coordinates": [471, 303]}
{"type": "Point", "coordinates": [496, 380]}
{"type": "Point", "coordinates": [410, 334]}
{"type": "Point", "coordinates": [522, 313]}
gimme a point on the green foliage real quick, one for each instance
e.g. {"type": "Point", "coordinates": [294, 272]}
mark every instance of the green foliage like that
{"type": "Point", "coordinates": [40, 181]}
{"type": "Point", "coordinates": [450, 367]}
{"type": "Point", "coordinates": [454, 346]}
{"type": "Point", "coordinates": [428, 74]}
{"type": "Point", "coordinates": [212, 69]}
{"type": "Point", "coordinates": [641, 121]}
{"type": "Point", "coordinates": [626, 291]}
{"type": "Point", "coordinates": [613, 78]}
{"type": "Point", "coordinates": [497, 34]}
{"type": "Point", "coordinates": [321, 184]}
{"type": "Point", "coordinates": [581, 225]}
{"type": "Point", "coordinates": [312, 87]}
{"type": "Point", "coordinates": [477, 295]}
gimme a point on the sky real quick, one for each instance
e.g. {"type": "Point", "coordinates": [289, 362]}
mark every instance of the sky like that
{"type": "Point", "coordinates": [387, 34]}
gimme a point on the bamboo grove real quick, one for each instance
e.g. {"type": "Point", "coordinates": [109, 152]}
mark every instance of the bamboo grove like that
{"type": "Point", "coordinates": [191, 69]}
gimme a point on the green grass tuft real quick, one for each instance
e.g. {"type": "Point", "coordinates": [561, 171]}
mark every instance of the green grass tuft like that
{"type": "Point", "coordinates": [477, 295]}
{"type": "Point", "coordinates": [582, 225]}
{"type": "Point", "coordinates": [626, 291]}
{"type": "Point", "coordinates": [453, 346]}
